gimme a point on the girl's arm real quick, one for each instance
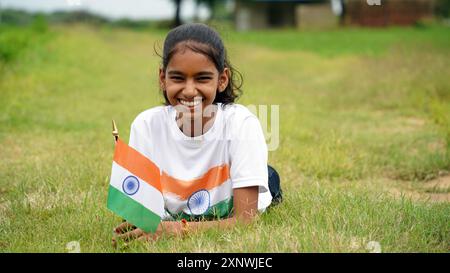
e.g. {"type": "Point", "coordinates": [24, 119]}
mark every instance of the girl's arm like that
{"type": "Point", "coordinates": [245, 208]}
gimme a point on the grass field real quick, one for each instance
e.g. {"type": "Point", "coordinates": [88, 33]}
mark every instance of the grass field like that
{"type": "Point", "coordinates": [364, 150]}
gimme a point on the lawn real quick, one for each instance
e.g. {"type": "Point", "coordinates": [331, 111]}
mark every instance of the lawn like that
{"type": "Point", "coordinates": [364, 152]}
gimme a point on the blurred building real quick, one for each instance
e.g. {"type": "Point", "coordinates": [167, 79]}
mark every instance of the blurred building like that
{"type": "Point", "coordinates": [390, 12]}
{"type": "Point", "coordinates": [262, 14]}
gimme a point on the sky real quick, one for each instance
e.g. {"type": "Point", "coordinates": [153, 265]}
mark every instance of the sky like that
{"type": "Point", "coordinates": [114, 9]}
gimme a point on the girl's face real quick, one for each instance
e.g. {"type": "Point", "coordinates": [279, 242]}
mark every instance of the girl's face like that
{"type": "Point", "coordinates": [191, 81]}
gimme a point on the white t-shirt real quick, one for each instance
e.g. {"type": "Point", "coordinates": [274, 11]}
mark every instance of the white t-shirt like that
{"type": "Point", "coordinates": [198, 174]}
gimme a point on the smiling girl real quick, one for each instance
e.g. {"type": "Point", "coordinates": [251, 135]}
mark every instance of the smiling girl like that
{"type": "Point", "coordinates": [211, 151]}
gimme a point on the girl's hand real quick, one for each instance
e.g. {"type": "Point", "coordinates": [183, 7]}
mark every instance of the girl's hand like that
{"type": "Point", "coordinates": [121, 229]}
{"type": "Point", "coordinates": [127, 232]}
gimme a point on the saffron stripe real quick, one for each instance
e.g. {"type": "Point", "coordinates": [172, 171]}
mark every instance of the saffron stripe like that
{"type": "Point", "coordinates": [132, 211]}
{"type": "Point", "coordinates": [137, 164]}
{"type": "Point", "coordinates": [217, 194]}
{"type": "Point", "coordinates": [215, 177]}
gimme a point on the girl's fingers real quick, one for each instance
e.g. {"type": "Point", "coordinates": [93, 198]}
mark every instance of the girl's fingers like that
{"type": "Point", "coordinates": [134, 234]}
{"type": "Point", "coordinates": [144, 238]}
{"type": "Point", "coordinates": [148, 237]}
{"type": "Point", "coordinates": [124, 227]}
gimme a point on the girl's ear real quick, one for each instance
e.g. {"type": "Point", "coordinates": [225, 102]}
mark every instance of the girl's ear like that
{"type": "Point", "coordinates": [224, 79]}
{"type": "Point", "coordinates": [162, 79]}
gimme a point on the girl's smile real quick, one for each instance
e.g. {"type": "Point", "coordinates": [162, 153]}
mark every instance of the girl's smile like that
{"type": "Point", "coordinates": [192, 103]}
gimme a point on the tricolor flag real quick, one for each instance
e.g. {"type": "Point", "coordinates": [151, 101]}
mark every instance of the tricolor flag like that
{"type": "Point", "coordinates": [135, 191]}
{"type": "Point", "coordinates": [208, 196]}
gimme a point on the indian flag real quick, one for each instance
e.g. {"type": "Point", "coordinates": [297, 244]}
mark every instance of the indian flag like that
{"type": "Point", "coordinates": [135, 191]}
{"type": "Point", "coordinates": [207, 197]}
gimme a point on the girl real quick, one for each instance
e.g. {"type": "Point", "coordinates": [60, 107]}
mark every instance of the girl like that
{"type": "Point", "coordinates": [211, 152]}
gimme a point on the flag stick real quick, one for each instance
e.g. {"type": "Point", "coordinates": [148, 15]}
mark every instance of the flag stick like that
{"type": "Point", "coordinates": [115, 131]}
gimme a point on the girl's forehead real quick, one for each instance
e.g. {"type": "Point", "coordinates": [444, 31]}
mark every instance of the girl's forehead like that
{"type": "Point", "coordinates": [189, 60]}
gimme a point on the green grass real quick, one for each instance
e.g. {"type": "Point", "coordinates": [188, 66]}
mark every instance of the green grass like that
{"type": "Point", "coordinates": [363, 114]}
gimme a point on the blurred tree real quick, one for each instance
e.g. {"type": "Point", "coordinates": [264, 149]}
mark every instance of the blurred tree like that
{"type": "Point", "coordinates": [442, 8]}
{"type": "Point", "coordinates": [212, 6]}
{"type": "Point", "coordinates": [16, 17]}
{"type": "Point", "coordinates": [40, 23]}
{"type": "Point", "coordinates": [177, 19]}
{"type": "Point", "coordinates": [220, 10]}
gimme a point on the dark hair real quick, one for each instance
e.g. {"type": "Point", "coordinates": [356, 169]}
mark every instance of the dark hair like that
{"type": "Point", "coordinates": [202, 39]}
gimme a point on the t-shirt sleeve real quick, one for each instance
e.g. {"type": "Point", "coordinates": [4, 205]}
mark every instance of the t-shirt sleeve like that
{"type": "Point", "coordinates": [139, 137]}
{"type": "Point", "coordinates": [248, 152]}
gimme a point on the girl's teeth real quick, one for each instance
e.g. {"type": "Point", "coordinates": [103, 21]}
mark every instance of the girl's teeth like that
{"type": "Point", "coordinates": [190, 103]}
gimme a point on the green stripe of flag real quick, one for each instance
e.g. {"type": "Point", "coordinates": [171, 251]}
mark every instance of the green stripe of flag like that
{"type": "Point", "coordinates": [132, 211]}
{"type": "Point", "coordinates": [221, 210]}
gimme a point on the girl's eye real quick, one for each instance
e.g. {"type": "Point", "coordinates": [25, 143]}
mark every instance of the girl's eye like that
{"type": "Point", "coordinates": [176, 78]}
{"type": "Point", "coordinates": [203, 79]}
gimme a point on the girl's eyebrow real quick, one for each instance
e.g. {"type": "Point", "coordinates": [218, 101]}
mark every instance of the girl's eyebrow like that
{"type": "Point", "coordinates": [174, 72]}
{"type": "Point", "coordinates": [202, 73]}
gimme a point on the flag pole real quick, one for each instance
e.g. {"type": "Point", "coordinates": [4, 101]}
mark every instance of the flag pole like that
{"type": "Point", "coordinates": [115, 131]}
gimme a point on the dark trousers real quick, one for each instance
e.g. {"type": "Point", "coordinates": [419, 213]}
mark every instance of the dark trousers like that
{"type": "Point", "coordinates": [274, 186]}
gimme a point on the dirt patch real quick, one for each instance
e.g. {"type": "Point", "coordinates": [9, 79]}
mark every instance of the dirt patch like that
{"type": "Point", "coordinates": [438, 146]}
{"type": "Point", "coordinates": [436, 190]}
{"type": "Point", "coordinates": [398, 125]}
{"type": "Point", "coordinates": [438, 185]}
{"type": "Point", "coordinates": [414, 122]}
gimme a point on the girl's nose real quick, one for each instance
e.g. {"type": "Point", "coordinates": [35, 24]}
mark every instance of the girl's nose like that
{"type": "Point", "coordinates": [189, 90]}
